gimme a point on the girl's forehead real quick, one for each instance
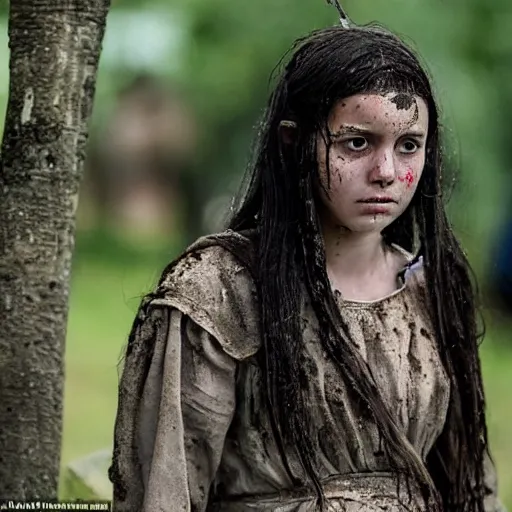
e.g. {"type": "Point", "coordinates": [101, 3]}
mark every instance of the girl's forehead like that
{"type": "Point", "coordinates": [392, 111]}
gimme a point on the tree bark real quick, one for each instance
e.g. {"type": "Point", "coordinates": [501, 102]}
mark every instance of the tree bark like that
{"type": "Point", "coordinates": [55, 47]}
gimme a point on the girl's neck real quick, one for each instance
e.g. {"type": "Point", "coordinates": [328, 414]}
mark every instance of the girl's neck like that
{"type": "Point", "coordinates": [361, 265]}
{"type": "Point", "coordinates": [353, 254]}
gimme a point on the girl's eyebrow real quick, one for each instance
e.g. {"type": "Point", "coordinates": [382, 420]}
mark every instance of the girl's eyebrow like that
{"type": "Point", "coordinates": [415, 133]}
{"type": "Point", "coordinates": [352, 128]}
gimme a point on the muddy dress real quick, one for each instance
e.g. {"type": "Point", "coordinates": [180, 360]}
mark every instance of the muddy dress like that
{"type": "Point", "coordinates": [192, 434]}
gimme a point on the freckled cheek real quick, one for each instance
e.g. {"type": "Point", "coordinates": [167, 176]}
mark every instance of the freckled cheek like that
{"type": "Point", "coordinates": [337, 164]}
{"type": "Point", "coordinates": [346, 173]}
{"type": "Point", "coordinates": [336, 175]}
{"type": "Point", "coordinates": [409, 176]}
{"type": "Point", "coordinates": [340, 182]}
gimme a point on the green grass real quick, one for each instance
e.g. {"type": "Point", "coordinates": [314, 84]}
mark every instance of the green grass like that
{"type": "Point", "coordinates": [108, 280]}
{"type": "Point", "coordinates": [496, 366]}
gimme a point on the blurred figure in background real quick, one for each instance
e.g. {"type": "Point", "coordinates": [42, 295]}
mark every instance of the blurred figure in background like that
{"type": "Point", "coordinates": [501, 270]}
{"type": "Point", "coordinates": [139, 179]}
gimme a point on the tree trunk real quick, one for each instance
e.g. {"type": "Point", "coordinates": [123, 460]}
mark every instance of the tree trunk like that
{"type": "Point", "coordinates": [55, 47]}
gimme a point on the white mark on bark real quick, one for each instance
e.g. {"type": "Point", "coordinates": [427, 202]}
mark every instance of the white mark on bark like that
{"type": "Point", "coordinates": [8, 302]}
{"type": "Point", "coordinates": [28, 104]}
{"type": "Point", "coordinates": [74, 203]}
{"type": "Point", "coordinates": [62, 59]}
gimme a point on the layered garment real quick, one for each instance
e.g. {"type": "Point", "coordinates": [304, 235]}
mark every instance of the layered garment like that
{"type": "Point", "coordinates": [193, 435]}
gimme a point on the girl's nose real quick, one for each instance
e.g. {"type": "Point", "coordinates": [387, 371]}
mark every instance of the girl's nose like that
{"type": "Point", "coordinates": [383, 172]}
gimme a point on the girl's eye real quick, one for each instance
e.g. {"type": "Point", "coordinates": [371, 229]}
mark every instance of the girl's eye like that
{"type": "Point", "coordinates": [357, 144]}
{"type": "Point", "coordinates": [409, 146]}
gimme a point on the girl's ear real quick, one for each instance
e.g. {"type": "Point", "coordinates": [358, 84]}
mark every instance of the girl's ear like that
{"type": "Point", "coordinates": [288, 132]}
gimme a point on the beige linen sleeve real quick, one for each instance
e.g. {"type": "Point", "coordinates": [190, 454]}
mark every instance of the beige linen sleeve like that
{"type": "Point", "coordinates": [185, 407]}
{"type": "Point", "coordinates": [177, 389]}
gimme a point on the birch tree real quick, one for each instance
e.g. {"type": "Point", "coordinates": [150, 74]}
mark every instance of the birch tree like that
{"type": "Point", "coordinates": [54, 52]}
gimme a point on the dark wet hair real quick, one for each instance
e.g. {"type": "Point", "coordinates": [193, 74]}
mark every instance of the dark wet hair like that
{"type": "Point", "coordinates": [279, 202]}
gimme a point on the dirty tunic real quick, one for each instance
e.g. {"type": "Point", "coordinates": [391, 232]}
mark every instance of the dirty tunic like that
{"type": "Point", "coordinates": [193, 435]}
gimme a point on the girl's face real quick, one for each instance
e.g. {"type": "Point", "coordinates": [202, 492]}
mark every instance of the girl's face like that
{"type": "Point", "coordinates": [376, 159]}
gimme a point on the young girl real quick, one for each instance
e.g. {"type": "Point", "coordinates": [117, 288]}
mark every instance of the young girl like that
{"type": "Point", "coordinates": [322, 353]}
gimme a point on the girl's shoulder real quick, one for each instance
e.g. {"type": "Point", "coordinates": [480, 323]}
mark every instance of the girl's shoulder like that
{"type": "Point", "coordinates": [212, 283]}
{"type": "Point", "coordinates": [412, 269]}
{"type": "Point", "coordinates": [415, 272]}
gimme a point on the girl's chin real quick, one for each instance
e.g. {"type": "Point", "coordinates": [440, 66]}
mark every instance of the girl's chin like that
{"type": "Point", "coordinates": [360, 223]}
{"type": "Point", "coordinates": [369, 224]}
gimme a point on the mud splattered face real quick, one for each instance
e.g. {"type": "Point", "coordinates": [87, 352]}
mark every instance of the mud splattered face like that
{"type": "Point", "coordinates": [376, 157]}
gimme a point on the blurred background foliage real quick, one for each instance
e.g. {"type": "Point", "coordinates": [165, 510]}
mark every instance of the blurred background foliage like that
{"type": "Point", "coordinates": [181, 86]}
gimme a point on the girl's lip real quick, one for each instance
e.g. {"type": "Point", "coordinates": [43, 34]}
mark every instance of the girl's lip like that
{"type": "Point", "coordinates": [374, 208]}
{"type": "Point", "coordinates": [377, 200]}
